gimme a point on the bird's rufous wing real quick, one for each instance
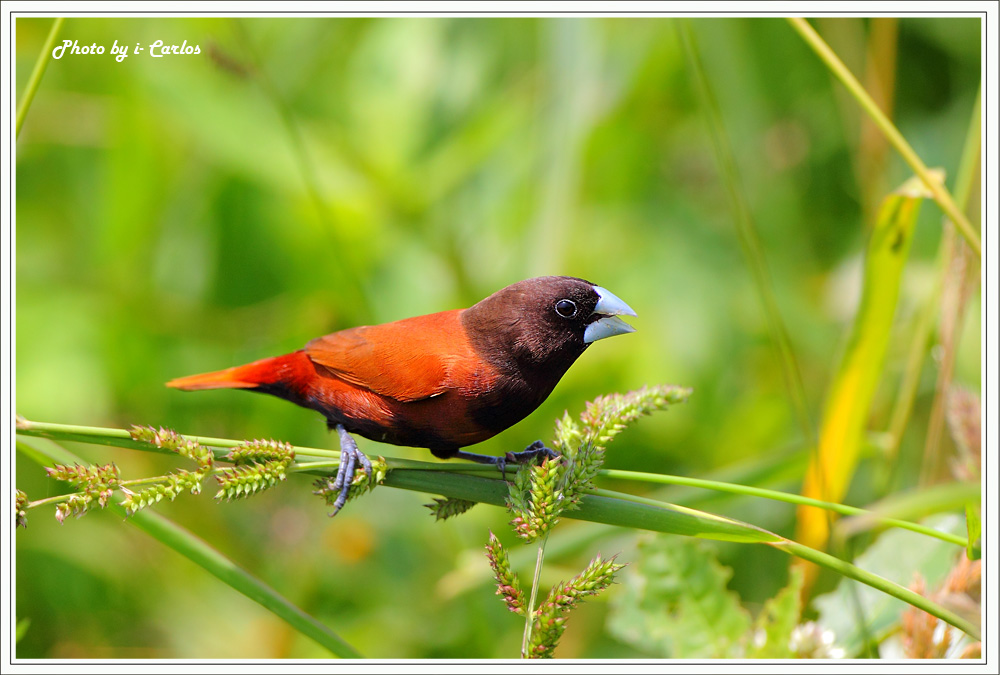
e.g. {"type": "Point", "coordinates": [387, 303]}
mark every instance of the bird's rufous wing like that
{"type": "Point", "coordinates": [406, 360]}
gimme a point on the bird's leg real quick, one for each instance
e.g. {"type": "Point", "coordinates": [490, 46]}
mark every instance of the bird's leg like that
{"type": "Point", "coordinates": [499, 462]}
{"type": "Point", "coordinates": [529, 454]}
{"type": "Point", "coordinates": [350, 457]}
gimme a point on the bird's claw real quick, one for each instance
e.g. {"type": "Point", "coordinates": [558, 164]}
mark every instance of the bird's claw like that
{"type": "Point", "coordinates": [350, 457]}
{"type": "Point", "coordinates": [528, 455]}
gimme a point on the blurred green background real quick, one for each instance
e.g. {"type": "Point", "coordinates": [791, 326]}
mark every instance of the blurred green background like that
{"type": "Point", "coordinates": [303, 175]}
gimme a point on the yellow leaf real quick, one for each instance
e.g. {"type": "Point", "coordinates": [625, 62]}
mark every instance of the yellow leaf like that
{"type": "Point", "coordinates": [850, 395]}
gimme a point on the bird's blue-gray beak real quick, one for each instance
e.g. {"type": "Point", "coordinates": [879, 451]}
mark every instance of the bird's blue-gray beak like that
{"type": "Point", "coordinates": [606, 324]}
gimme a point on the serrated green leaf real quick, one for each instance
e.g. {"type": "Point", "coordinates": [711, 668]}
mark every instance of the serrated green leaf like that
{"type": "Point", "coordinates": [775, 623]}
{"type": "Point", "coordinates": [674, 603]}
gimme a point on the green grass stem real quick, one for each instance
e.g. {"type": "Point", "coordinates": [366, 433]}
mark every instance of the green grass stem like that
{"type": "Point", "coordinates": [843, 509]}
{"type": "Point", "coordinates": [842, 73]}
{"type": "Point", "coordinates": [122, 439]}
{"type": "Point", "coordinates": [919, 345]}
{"type": "Point", "coordinates": [746, 230]}
{"type": "Point", "coordinates": [36, 74]}
{"type": "Point", "coordinates": [342, 266]}
{"type": "Point", "coordinates": [202, 554]}
{"type": "Point", "coordinates": [875, 581]}
{"type": "Point", "coordinates": [952, 314]}
{"type": "Point", "coordinates": [529, 617]}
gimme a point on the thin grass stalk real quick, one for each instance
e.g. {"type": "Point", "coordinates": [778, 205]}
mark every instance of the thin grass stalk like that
{"type": "Point", "coordinates": [952, 313]}
{"type": "Point", "coordinates": [919, 346]}
{"type": "Point", "coordinates": [341, 264]}
{"type": "Point", "coordinates": [880, 79]}
{"type": "Point", "coordinates": [747, 233]}
{"type": "Point", "coordinates": [895, 590]}
{"type": "Point", "coordinates": [967, 170]}
{"type": "Point", "coordinates": [568, 47]}
{"type": "Point", "coordinates": [529, 619]}
{"type": "Point", "coordinates": [939, 192]}
{"type": "Point", "coordinates": [36, 74]}
{"type": "Point", "coordinates": [121, 438]}
{"type": "Point", "coordinates": [954, 275]}
{"type": "Point", "coordinates": [786, 497]}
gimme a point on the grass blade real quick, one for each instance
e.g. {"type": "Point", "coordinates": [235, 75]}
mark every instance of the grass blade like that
{"type": "Point", "coordinates": [36, 74]}
{"type": "Point", "coordinates": [946, 497]}
{"type": "Point", "coordinates": [201, 553]}
{"type": "Point", "coordinates": [747, 232]}
{"type": "Point", "coordinates": [968, 169]}
{"type": "Point", "coordinates": [953, 288]}
{"type": "Point", "coordinates": [879, 583]}
{"type": "Point", "coordinates": [914, 504]}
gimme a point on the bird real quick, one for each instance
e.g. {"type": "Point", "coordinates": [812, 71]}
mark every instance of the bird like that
{"type": "Point", "coordinates": [441, 381]}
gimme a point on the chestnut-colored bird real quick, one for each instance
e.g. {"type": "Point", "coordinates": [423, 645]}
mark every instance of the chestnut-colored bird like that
{"type": "Point", "coordinates": [441, 381]}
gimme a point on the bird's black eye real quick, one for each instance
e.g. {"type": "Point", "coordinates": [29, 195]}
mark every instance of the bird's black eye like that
{"type": "Point", "coordinates": [566, 309]}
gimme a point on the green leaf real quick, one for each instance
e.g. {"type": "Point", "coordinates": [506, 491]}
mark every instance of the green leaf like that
{"type": "Point", "coordinates": [775, 623]}
{"type": "Point", "coordinates": [21, 630]}
{"type": "Point", "coordinates": [974, 527]}
{"type": "Point", "coordinates": [674, 603]}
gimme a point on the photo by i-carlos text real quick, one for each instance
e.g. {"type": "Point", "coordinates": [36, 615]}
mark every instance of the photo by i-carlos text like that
{"type": "Point", "coordinates": [121, 51]}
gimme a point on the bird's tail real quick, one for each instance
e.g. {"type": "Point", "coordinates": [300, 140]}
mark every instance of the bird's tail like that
{"type": "Point", "coordinates": [270, 371]}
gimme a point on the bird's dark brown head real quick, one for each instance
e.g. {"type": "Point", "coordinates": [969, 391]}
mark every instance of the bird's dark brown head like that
{"type": "Point", "coordinates": [544, 324]}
